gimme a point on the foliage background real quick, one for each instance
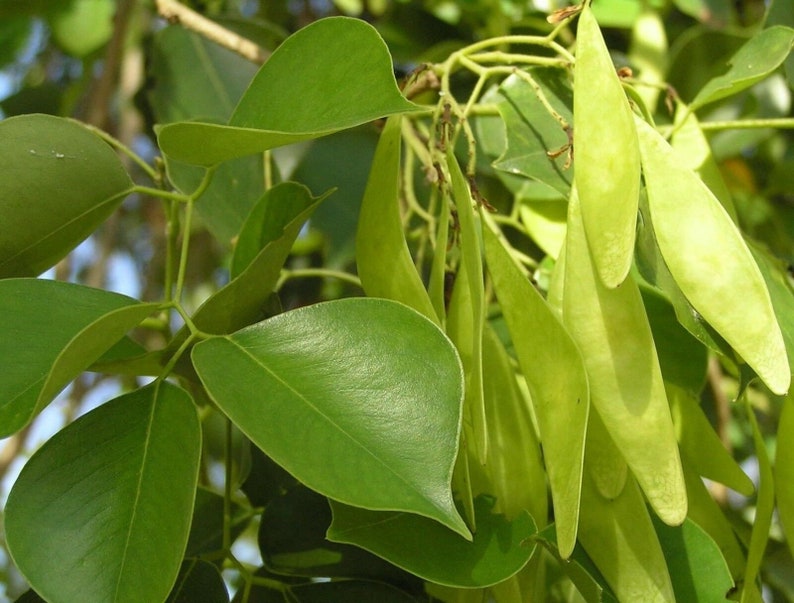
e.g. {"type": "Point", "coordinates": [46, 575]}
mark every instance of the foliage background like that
{"type": "Point", "coordinates": [115, 65]}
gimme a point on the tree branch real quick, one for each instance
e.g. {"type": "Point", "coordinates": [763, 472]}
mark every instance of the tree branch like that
{"type": "Point", "coordinates": [174, 12]}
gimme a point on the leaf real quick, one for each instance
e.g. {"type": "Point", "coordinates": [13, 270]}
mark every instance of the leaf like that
{"type": "Point", "coordinates": [372, 388]}
{"type": "Point", "coordinates": [198, 581]}
{"type": "Point", "coordinates": [349, 60]}
{"type": "Point", "coordinates": [81, 324]}
{"type": "Point", "coordinates": [697, 568]}
{"type": "Point", "coordinates": [293, 543]}
{"type": "Point", "coordinates": [555, 373]}
{"type": "Point", "coordinates": [532, 131]}
{"type": "Point", "coordinates": [705, 452]}
{"type": "Point", "coordinates": [608, 468]}
{"type": "Point", "coordinates": [206, 528]}
{"type": "Point", "coordinates": [709, 260]}
{"type": "Point", "coordinates": [607, 165]}
{"type": "Point", "coordinates": [784, 470]}
{"type": "Point", "coordinates": [59, 183]}
{"type": "Point", "coordinates": [755, 60]}
{"type": "Point", "coordinates": [344, 591]}
{"type": "Point", "coordinates": [611, 329]}
{"type": "Point", "coordinates": [618, 536]}
{"type": "Point", "coordinates": [428, 550]}
{"type": "Point", "coordinates": [83, 26]}
{"type": "Point", "coordinates": [102, 511]}
{"type": "Point", "coordinates": [382, 257]}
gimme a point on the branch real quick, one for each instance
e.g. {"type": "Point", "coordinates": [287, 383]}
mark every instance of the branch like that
{"type": "Point", "coordinates": [174, 12]}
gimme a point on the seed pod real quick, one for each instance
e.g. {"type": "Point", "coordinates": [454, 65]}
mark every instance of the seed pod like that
{"type": "Point", "coordinates": [607, 160]}
{"type": "Point", "coordinates": [710, 261]}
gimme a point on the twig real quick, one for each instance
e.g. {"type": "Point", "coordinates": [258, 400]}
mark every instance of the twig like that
{"type": "Point", "coordinates": [174, 12]}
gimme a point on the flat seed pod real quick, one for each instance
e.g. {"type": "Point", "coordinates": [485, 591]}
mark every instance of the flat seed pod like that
{"type": "Point", "coordinates": [606, 153]}
{"type": "Point", "coordinates": [710, 261]}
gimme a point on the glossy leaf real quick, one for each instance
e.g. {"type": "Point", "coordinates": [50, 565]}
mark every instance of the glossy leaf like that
{"type": "Point", "coordinates": [349, 60]}
{"type": "Point", "coordinates": [384, 263]}
{"type": "Point", "coordinates": [755, 60]}
{"type": "Point", "coordinates": [102, 511]}
{"type": "Point", "coordinates": [430, 551]}
{"type": "Point", "coordinates": [198, 581]}
{"type": "Point", "coordinates": [373, 389]}
{"type": "Point", "coordinates": [784, 470]}
{"type": "Point", "coordinates": [554, 370]}
{"type": "Point", "coordinates": [532, 132]}
{"type": "Point", "coordinates": [292, 542]}
{"type": "Point", "coordinates": [710, 262]}
{"type": "Point", "coordinates": [59, 182]}
{"type": "Point", "coordinates": [619, 536]}
{"type": "Point", "coordinates": [697, 568]}
{"type": "Point", "coordinates": [607, 166]}
{"type": "Point", "coordinates": [612, 331]}
{"type": "Point", "coordinates": [82, 323]}
{"type": "Point", "coordinates": [699, 442]}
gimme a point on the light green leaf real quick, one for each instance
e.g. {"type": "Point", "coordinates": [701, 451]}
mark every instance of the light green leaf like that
{"type": "Point", "coordinates": [607, 467]}
{"type": "Point", "coordinates": [198, 580]}
{"type": "Point", "coordinates": [701, 445]}
{"type": "Point", "coordinates": [710, 261]}
{"type": "Point", "coordinates": [102, 511]}
{"type": "Point", "coordinates": [607, 165]}
{"type": "Point", "coordinates": [58, 183]}
{"type": "Point", "coordinates": [697, 567]}
{"type": "Point", "coordinates": [755, 60]}
{"type": "Point", "coordinates": [784, 470]}
{"type": "Point", "coordinates": [555, 373]}
{"type": "Point", "coordinates": [371, 388]}
{"type": "Point", "coordinates": [612, 331]}
{"type": "Point", "coordinates": [428, 550]}
{"type": "Point", "coordinates": [81, 324]}
{"type": "Point", "coordinates": [83, 26]}
{"type": "Point", "coordinates": [382, 257]}
{"type": "Point", "coordinates": [348, 60]}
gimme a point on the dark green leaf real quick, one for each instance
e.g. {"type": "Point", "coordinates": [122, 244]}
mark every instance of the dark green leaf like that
{"type": "Point", "coordinates": [697, 567]}
{"type": "Point", "coordinates": [348, 60]}
{"type": "Point", "coordinates": [58, 183]}
{"type": "Point", "coordinates": [198, 581]}
{"type": "Point", "coordinates": [102, 511]}
{"type": "Point", "coordinates": [81, 324]}
{"type": "Point", "coordinates": [427, 549]}
{"type": "Point", "coordinates": [371, 388]}
{"type": "Point", "coordinates": [206, 529]}
{"type": "Point", "coordinates": [345, 591]}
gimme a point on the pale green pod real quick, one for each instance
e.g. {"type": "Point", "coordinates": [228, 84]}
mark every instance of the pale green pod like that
{"type": "Point", "coordinates": [612, 331]}
{"type": "Point", "coordinates": [607, 160]}
{"type": "Point", "coordinates": [710, 261]}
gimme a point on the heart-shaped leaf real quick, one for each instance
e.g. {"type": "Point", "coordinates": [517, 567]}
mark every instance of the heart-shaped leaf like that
{"type": "Point", "coordinates": [58, 182]}
{"type": "Point", "coordinates": [370, 387]}
{"type": "Point", "coordinates": [102, 511]}
{"type": "Point", "coordinates": [500, 548]}
{"type": "Point", "coordinates": [347, 60]}
{"type": "Point", "coordinates": [81, 324]}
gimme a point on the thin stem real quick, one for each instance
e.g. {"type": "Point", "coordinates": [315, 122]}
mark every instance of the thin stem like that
{"type": "Point", "coordinates": [747, 124]}
{"type": "Point", "coordinates": [227, 488]}
{"type": "Point", "coordinates": [120, 146]}
{"type": "Point", "coordinates": [159, 193]}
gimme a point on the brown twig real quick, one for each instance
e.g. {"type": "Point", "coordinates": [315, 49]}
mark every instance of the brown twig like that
{"type": "Point", "coordinates": [174, 12]}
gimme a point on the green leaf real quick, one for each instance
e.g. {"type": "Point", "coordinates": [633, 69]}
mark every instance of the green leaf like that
{"type": "Point", "coordinates": [755, 60]}
{"type": "Point", "coordinates": [611, 328]}
{"type": "Point", "coordinates": [81, 324]}
{"type": "Point", "coordinates": [198, 581]}
{"type": "Point", "coordinates": [373, 388]}
{"type": "Point", "coordinates": [293, 543]}
{"type": "Point", "coordinates": [349, 60]}
{"type": "Point", "coordinates": [607, 166]}
{"type": "Point", "coordinates": [532, 131]}
{"type": "Point", "coordinates": [704, 450]}
{"type": "Point", "coordinates": [102, 511]}
{"type": "Point", "coordinates": [382, 257]}
{"type": "Point", "coordinates": [344, 591]}
{"type": "Point", "coordinates": [83, 26]}
{"type": "Point", "coordinates": [428, 550]}
{"type": "Point", "coordinates": [59, 182]}
{"type": "Point", "coordinates": [557, 382]}
{"type": "Point", "coordinates": [784, 470]}
{"type": "Point", "coordinates": [697, 568]}
{"type": "Point", "coordinates": [710, 261]}
{"type": "Point", "coordinates": [206, 529]}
